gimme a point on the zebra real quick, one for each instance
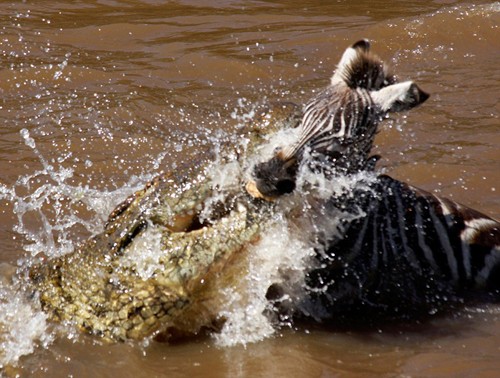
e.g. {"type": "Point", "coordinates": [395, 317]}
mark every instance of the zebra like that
{"type": "Point", "coordinates": [409, 252]}
{"type": "Point", "coordinates": [339, 124]}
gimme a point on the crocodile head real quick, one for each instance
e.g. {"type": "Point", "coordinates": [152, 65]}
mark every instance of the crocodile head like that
{"type": "Point", "coordinates": [164, 253]}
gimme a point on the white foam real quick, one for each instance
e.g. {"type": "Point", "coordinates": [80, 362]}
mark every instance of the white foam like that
{"type": "Point", "coordinates": [145, 252]}
{"type": "Point", "coordinates": [279, 256]}
{"type": "Point", "coordinates": [23, 327]}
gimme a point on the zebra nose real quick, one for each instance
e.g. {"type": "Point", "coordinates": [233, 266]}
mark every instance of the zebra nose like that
{"type": "Point", "coordinates": [269, 191]}
{"type": "Point", "coordinates": [285, 186]}
{"type": "Point", "coordinates": [273, 178]}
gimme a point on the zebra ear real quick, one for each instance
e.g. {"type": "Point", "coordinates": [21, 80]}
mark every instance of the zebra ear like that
{"type": "Point", "coordinates": [399, 97]}
{"type": "Point", "coordinates": [363, 45]}
{"type": "Point", "coordinates": [351, 54]}
{"type": "Point", "coordinates": [358, 68]}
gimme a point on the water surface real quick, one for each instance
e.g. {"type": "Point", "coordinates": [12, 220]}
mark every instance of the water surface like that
{"type": "Point", "coordinates": [97, 97]}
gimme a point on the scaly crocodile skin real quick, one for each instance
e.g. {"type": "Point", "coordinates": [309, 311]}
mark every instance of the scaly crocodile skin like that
{"type": "Point", "coordinates": [99, 287]}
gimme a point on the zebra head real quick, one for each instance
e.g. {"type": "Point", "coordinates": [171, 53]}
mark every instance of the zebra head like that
{"type": "Point", "coordinates": [338, 126]}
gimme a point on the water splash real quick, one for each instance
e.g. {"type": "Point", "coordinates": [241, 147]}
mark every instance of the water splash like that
{"type": "Point", "coordinates": [145, 253]}
{"type": "Point", "coordinates": [23, 327]}
{"type": "Point", "coordinates": [245, 111]}
{"type": "Point", "coordinates": [284, 253]}
{"type": "Point", "coordinates": [52, 212]}
{"type": "Point", "coordinates": [278, 257]}
{"type": "Point", "coordinates": [52, 215]}
{"type": "Point", "coordinates": [49, 197]}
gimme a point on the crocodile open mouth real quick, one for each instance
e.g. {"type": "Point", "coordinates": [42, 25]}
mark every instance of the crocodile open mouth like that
{"type": "Point", "coordinates": [195, 219]}
{"type": "Point", "coordinates": [186, 222]}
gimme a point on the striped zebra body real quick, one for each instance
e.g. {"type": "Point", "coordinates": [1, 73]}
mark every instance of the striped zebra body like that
{"type": "Point", "coordinates": [409, 253]}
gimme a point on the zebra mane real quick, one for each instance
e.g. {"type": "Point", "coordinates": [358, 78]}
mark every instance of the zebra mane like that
{"type": "Point", "coordinates": [359, 68]}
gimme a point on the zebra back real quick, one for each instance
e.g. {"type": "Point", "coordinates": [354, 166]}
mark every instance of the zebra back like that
{"type": "Point", "coordinates": [410, 252]}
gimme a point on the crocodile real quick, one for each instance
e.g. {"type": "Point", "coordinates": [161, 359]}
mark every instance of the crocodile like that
{"type": "Point", "coordinates": [202, 229]}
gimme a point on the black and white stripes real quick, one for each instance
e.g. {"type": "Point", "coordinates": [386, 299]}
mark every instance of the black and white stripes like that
{"type": "Point", "coordinates": [333, 116]}
{"type": "Point", "coordinates": [408, 251]}
{"type": "Point", "coordinates": [345, 108]}
{"type": "Point", "coordinates": [339, 124]}
{"type": "Point", "coordinates": [348, 111]}
{"type": "Point", "coordinates": [411, 251]}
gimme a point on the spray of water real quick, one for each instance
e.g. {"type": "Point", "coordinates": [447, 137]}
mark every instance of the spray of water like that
{"type": "Point", "coordinates": [48, 206]}
{"type": "Point", "coordinates": [301, 225]}
{"type": "Point", "coordinates": [279, 256]}
{"type": "Point", "coordinates": [22, 327]}
{"type": "Point", "coordinates": [51, 212]}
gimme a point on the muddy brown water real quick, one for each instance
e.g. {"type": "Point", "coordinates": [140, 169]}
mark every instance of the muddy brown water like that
{"type": "Point", "coordinates": [117, 91]}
